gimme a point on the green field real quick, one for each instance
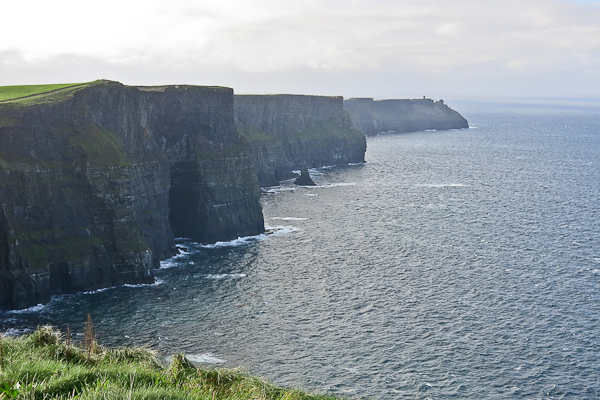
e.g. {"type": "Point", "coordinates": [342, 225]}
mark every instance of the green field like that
{"type": "Point", "coordinates": [48, 365]}
{"type": "Point", "coordinates": [17, 92]}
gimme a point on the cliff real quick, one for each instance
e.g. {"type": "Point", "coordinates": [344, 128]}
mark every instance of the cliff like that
{"type": "Point", "coordinates": [96, 179]}
{"type": "Point", "coordinates": [288, 132]}
{"type": "Point", "coordinates": [373, 117]}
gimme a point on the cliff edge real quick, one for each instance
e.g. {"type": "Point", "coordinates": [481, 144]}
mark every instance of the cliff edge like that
{"type": "Point", "coordinates": [96, 179]}
{"type": "Point", "coordinates": [373, 117]}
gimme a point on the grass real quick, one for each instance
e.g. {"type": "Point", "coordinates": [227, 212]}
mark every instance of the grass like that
{"type": "Point", "coordinates": [14, 97]}
{"type": "Point", "coordinates": [45, 365]}
{"type": "Point", "coordinates": [20, 91]}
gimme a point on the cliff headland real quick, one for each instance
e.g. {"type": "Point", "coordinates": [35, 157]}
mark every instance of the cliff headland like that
{"type": "Point", "coordinates": [373, 117]}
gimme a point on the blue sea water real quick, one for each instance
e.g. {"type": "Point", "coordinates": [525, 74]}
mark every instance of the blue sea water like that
{"type": "Point", "coordinates": [460, 264]}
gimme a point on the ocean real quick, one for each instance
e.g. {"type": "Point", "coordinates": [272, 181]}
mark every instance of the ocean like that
{"type": "Point", "coordinates": [460, 264]}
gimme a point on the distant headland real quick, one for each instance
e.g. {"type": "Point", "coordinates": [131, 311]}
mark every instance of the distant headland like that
{"type": "Point", "coordinates": [373, 117]}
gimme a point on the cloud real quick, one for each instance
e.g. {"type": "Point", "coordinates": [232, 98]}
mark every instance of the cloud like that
{"type": "Point", "coordinates": [418, 39]}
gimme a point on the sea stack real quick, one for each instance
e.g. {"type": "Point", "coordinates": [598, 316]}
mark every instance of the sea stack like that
{"type": "Point", "coordinates": [304, 179]}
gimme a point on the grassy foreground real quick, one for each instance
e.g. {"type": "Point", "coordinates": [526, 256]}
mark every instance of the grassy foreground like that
{"type": "Point", "coordinates": [47, 365]}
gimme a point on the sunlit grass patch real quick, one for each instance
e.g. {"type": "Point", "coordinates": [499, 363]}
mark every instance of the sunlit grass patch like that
{"type": "Point", "coordinates": [16, 92]}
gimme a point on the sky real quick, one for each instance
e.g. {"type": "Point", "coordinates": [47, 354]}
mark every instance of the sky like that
{"type": "Point", "coordinates": [459, 49]}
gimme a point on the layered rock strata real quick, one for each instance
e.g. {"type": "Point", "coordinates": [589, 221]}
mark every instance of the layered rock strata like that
{"type": "Point", "coordinates": [288, 132]}
{"type": "Point", "coordinates": [95, 181]}
{"type": "Point", "coordinates": [373, 117]}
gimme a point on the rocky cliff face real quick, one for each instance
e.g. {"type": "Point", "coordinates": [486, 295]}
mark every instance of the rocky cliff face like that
{"type": "Point", "coordinates": [373, 117]}
{"type": "Point", "coordinates": [96, 181]}
{"type": "Point", "coordinates": [288, 132]}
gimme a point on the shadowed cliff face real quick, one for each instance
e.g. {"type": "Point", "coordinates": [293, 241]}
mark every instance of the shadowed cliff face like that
{"type": "Point", "coordinates": [288, 132]}
{"type": "Point", "coordinates": [373, 117]}
{"type": "Point", "coordinates": [95, 183]}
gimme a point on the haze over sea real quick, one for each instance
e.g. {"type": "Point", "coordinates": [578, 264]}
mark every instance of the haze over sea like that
{"type": "Point", "coordinates": [458, 264]}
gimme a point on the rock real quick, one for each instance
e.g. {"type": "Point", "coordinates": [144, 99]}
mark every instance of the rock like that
{"type": "Point", "coordinates": [304, 179]}
{"type": "Point", "coordinates": [373, 117]}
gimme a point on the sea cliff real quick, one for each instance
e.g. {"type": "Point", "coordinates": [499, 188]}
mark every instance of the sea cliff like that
{"type": "Point", "coordinates": [287, 132]}
{"type": "Point", "coordinates": [97, 179]}
{"type": "Point", "coordinates": [373, 117]}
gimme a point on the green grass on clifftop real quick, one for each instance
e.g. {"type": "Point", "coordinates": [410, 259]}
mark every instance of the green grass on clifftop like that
{"type": "Point", "coordinates": [47, 365]}
{"type": "Point", "coordinates": [17, 92]}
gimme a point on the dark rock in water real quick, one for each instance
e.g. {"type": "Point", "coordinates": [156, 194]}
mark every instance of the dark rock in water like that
{"type": "Point", "coordinates": [304, 178]}
{"type": "Point", "coordinates": [398, 115]}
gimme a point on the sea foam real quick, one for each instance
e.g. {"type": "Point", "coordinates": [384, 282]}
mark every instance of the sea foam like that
{"type": "Point", "coordinates": [35, 308]}
{"type": "Point", "coordinates": [225, 276]}
{"type": "Point", "coordinates": [270, 230]}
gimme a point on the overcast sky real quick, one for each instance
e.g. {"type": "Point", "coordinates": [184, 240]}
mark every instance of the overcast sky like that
{"type": "Point", "coordinates": [457, 49]}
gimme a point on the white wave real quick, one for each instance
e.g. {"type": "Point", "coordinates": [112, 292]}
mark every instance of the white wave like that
{"type": "Point", "coordinates": [430, 130]}
{"type": "Point", "coordinates": [156, 283]}
{"type": "Point", "coordinates": [233, 243]}
{"type": "Point", "coordinates": [171, 262]}
{"type": "Point", "coordinates": [277, 189]}
{"type": "Point", "coordinates": [225, 276]}
{"type": "Point", "coordinates": [290, 218]}
{"type": "Point", "coordinates": [129, 285]}
{"type": "Point", "coordinates": [280, 230]}
{"type": "Point", "coordinates": [183, 250]}
{"type": "Point", "coordinates": [99, 290]}
{"type": "Point", "coordinates": [330, 185]}
{"type": "Point", "coordinates": [310, 194]}
{"type": "Point", "coordinates": [270, 230]}
{"type": "Point", "coordinates": [36, 308]}
{"type": "Point", "coordinates": [440, 185]}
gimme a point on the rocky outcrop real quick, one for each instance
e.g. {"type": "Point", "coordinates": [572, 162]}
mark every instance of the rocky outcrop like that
{"type": "Point", "coordinates": [96, 181]}
{"type": "Point", "coordinates": [304, 179]}
{"type": "Point", "coordinates": [373, 117]}
{"type": "Point", "coordinates": [288, 132]}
